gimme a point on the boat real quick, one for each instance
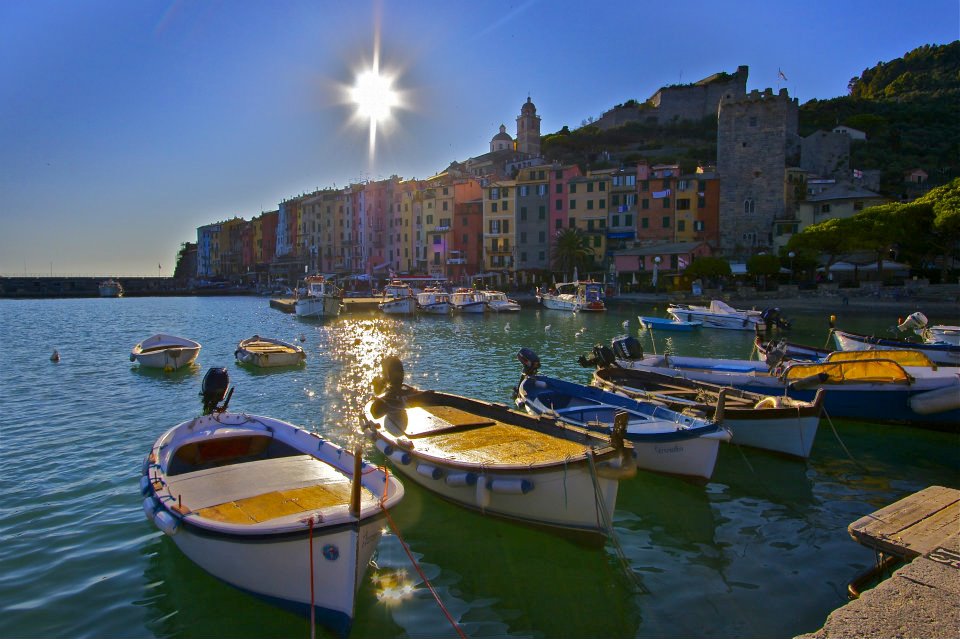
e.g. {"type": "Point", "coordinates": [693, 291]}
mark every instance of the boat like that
{"type": "Point", "coordinates": [321, 298]}
{"type": "Point", "coordinates": [574, 297]}
{"type": "Point", "coordinates": [267, 352]}
{"type": "Point", "coordinates": [941, 353]}
{"type": "Point", "coordinates": [434, 301]}
{"type": "Point", "coordinates": [875, 386]}
{"type": "Point", "coordinates": [168, 352]}
{"type": "Point", "coordinates": [269, 507]}
{"type": "Point", "coordinates": [111, 288]}
{"type": "Point", "coordinates": [498, 302]}
{"type": "Point", "coordinates": [398, 299]}
{"type": "Point", "coordinates": [769, 422]}
{"type": "Point", "coordinates": [664, 440]}
{"type": "Point", "coordinates": [489, 458]}
{"type": "Point", "coordinates": [663, 324]}
{"type": "Point", "coordinates": [721, 315]}
{"type": "Point", "coordinates": [468, 300]}
{"type": "Point", "coordinates": [784, 350]}
{"type": "Point", "coordinates": [936, 334]}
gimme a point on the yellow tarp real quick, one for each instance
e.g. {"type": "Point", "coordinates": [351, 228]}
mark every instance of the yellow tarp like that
{"type": "Point", "coordinates": [904, 357]}
{"type": "Point", "coordinates": [876, 370]}
{"type": "Point", "coordinates": [260, 508]}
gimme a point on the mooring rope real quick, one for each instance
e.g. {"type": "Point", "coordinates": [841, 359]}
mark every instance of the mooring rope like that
{"type": "Point", "coordinates": [840, 441]}
{"type": "Point", "coordinates": [426, 581]}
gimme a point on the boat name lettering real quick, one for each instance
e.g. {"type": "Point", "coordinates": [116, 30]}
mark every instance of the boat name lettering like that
{"type": "Point", "coordinates": [677, 448]}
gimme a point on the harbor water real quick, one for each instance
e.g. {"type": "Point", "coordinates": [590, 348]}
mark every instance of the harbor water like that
{"type": "Point", "coordinates": [759, 550]}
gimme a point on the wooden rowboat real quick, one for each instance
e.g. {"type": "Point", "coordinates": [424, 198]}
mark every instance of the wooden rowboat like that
{"type": "Point", "coordinates": [267, 352]}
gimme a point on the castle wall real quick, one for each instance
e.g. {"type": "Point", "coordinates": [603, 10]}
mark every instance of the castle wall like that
{"type": "Point", "coordinates": [826, 154]}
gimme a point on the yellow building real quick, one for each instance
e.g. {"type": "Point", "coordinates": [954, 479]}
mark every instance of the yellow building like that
{"type": "Point", "coordinates": [587, 209]}
{"type": "Point", "coordinates": [499, 199]}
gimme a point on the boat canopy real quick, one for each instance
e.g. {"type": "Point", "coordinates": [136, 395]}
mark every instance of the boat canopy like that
{"type": "Point", "coordinates": [719, 306]}
{"type": "Point", "coordinates": [874, 370]}
{"type": "Point", "coordinates": [904, 357]}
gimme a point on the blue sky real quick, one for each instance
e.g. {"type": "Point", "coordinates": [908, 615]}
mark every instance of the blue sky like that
{"type": "Point", "coordinates": [124, 125]}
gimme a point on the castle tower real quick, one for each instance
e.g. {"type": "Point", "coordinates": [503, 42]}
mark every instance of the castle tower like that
{"type": "Point", "coordinates": [501, 141]}
{"type": "Point", "coordinates": [528, 129]}
{"type": "Point", "coordinates": [757, 140]}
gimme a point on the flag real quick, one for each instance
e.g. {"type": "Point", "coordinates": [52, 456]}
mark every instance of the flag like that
{"type": "Point", "coordinates": [659, 194]}
{"type": "Point", "coordinates": [780, 75]}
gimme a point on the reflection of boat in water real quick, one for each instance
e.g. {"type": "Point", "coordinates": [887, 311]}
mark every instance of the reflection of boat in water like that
{"type": "Point", "coordinates": [674, 511]}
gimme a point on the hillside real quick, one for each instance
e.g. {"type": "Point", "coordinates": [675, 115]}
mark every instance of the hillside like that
{"type": "Point", "coordinates": [908, 107]}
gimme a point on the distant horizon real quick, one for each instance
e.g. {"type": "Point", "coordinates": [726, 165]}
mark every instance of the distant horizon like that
{"type": "Point", "coordinates": [136, 123]}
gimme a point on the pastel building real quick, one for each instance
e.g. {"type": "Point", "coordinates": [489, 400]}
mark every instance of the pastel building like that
{"type": "Point", "coordinates": [531, 218]}
{"type": "Point", "coordinates": [587, 201]}
{"type": "Point", "coordinates": [499, 203]}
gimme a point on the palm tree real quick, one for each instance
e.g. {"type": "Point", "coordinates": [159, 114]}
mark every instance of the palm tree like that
{"type": "Point", "coordinates": [572, 250]}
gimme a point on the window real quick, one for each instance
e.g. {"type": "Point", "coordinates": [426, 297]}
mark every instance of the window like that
{"type": "Point", "coordinates": [559, 205]}
{"type": "Point", "coordinates": [541, 237]}
{"type": "Point", "coordinates": [573, 204]}
{"type": "Point", "coordinates": [541, 189]}
{"type": "Point", "coordinates": [463, 221]}
{"type": "Point", "coordinates": [681, 225]}
{"type": "Point", "coordinates": [603, 203]}
{"type": "Point", "coordinates": [494, 227]}
{"type": "Point", "coordinates": [631, 180]}
{"type": "Point", "coordinates": [824, 208]}
{"type": "Point", "coordinates": [523, 237]}
{"type": "Point", "coordinates": [628, 220]}
{"type": "Point", "coordinates": [464, 239]}
{"type": "Point", "coordinates": [436, 239]}
{"type": "Point", "coordinates": [589, 225]}
{"type": "Point", "coordinates": [589, 187]}
{"type": "Point", "coordinates": [572, 222]}
{"type": "Point", "coordinates": [524, 190]}
{"type": "Point", "coordinates": [506, 192]}
{"type": "Point", "coordinates": [573, 187]}
{"type": "Point", "coordinates": [698, 225]}
{"type": "Point", "coordinates": [701, 202]}
{"type": "Point", "coordinates": [494, 193]}
{"type": "Point", "coordinates": [493, 207]}
{"type": "Point", "coordinates": [603, 186]}
{"type": "Point", "coordinates": [614, 200]}
{"type": "Point", "coordinates": [540, 175]}
{"type": "Point", "coordinates": [559, 188]}
{"type": "Point", "coordinates": [645, 203]}
{"type": "Point", "coordinates": [666, 221]}
{"type": "Point", "coordinates": [506, 226]}
{"type": "Point", "coordinates": [617, 180]}
{"type": "Point", "coordinates": [681, 185]}
{"type": "Point", "coordinates": [749, 206]}
{"type": "Point", "coordinates": [683, 204]}
{"type": "Point", "coordinates": [542, 212]}
{"type": "Point", "coordinates": [523, 257]}
{"type": "Point", "coordinates": [615, 220]}
{"type": "Point", "coordinates": [505, 205]}
{"type": "Point", "coordinates": [558, 175]}
{"type": "Point", "coordinates": [429, 219]}
{"type": "Point", "coordinates": [543, 256]}
{"type": "Point", "coordinates": [558, 224]}
{"type": "Point", "coordinates": [589, 205]}
{"type": "Point", "coordinates": [523, 213]}
{"type": "Point", "coordinates": [666, 203]}
{"type": "Point", "coordinates": [644, 223]}
{"type": "Point", "coordinates": [445, 205]}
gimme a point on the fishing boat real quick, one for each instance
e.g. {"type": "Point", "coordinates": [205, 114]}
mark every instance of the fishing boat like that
{"type": "Point", "coordinates": [876, 386]}
{"type": "Point", "coordinates": [433, 301]}
{"type": "Point", "coordinates": [941, 353]}
{"type": "Point", "coordinates": [110, 288]}
{"type": "Point", "coordinates": [268, 507]}
{"type": "Point", "coordinates": [168, 352]}
{"type": "Point", "coordinates": [770, 422]}
{"type": "Point", "coordinates": [468, 300]}
{"type": "Point", "coordinates": [398, 299]}
{"type": "Point", "coordinates": [574, 297]}
{"type": "Point", "coordinates": [663, 324]}
{"type": "Point", "coordinates": [267, 352]}
{"type": "Point", "coordinates": [664, 440]}
{"type": "Point", "coordinates": [322, 298]}
{"type": "Point", "coordinates": [498, 302]}
{"type": "Point", "coordinates": [721, 315]}
{"type": "Point", "coordinates": [488, 458]}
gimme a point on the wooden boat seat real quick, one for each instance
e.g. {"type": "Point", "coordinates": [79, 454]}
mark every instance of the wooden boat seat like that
{"type": "Point", "coordinates": [258, 491]}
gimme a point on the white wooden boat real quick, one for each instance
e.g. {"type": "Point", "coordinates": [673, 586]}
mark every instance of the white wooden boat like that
{"type": "Point", "coordinates": [267, 352]}
{"type": "Point", "coordinates": [468, 300]}
{"type": "Point", "coordinates": [942, 353]}
{"type": "Point", "coordinates": [322, 298]}
{"type": "Point", "coordinates": [770, 422]}
{"type": "Point", "coordinates": [398, 299]}
{"type": "Point", "coordinates": [434, 301]}
{"type": "Point", "coordinates": [498, 302]}
{"type": "Point", "coordinates": [489, 458]}
{"type": "Point", "coordinates": [168, 352]}
{"type": "Point", "coordinates": [111, 288]}
{"type": "Point", "coordinates": [253, 499]}
{"type": "Point", "coordinates": [936, 334]}
{"type": "Point", "coordinates": [664, 440]}
{"type": "Point", "coordinates": [574, 297]}
{"type": "Point", "coordinates": [718, 315]}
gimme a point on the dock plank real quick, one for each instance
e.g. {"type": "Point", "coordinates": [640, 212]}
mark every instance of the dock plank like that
{"type": "Point", "coordinates": [912, 526]}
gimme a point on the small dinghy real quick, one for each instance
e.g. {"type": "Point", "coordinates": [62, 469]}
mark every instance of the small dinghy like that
{"type": "Point", "coordinates": [267, 352]}
{"type": "Point", "coordinates": [168, 352]}
{"type": "Point", "coordinates": [495, 460]}
{"type": "Point", "coordinates": [663, 324]}
{"type": "Point", "coordinates": [268, 507]}
{"type": "Point", "coordinates": [664, 440]}
{"type": "Point", "coordinates": [769, 422]}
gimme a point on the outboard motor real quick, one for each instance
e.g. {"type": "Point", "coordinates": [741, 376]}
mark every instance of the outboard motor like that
{"type": "Point", "coordinates": [773, 319]}
{"type": "Point", "coordinates": [214, 389]}
{"type": "Point", "coordinates": [627, 347]}
{"type": "Point", "coordinates": [601, 357]}
{"type": "Point", "coordinates": [776, 354]}
{"type": "Point", "coordinates": [530, 362]}
{"type": "Point", "coordinates": [916, 321]}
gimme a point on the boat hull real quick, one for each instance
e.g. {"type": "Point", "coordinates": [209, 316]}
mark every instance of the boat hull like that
{"type": "Point", "coordinates": [436, 308]}
{"type": "Point", "coordinates": [269, 353]}
{"type": "Point", "coordinates": [167, 352]}
{"type": "Point", "coordinates": [733, 322]}
{"type": "Point", "coordinates": [470, 307]}
{"type": "Point", "coordinates": [660, 324]}
{"type": "Point", "coordinates": [942, 354]}
{"type": "Point", "coordinates": [317, 307]}
{"type": "Point", "coordinates": [399, 306]}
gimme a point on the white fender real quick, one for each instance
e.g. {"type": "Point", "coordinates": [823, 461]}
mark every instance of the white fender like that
{"type": "Point", "coordinates": [429, 471]}
{"type": "Point", "coordinates": [936, 401]}
{"type": "Point", "coordinates": [167, 523]}
{"type": "Point", "coordinates": [483, 495]}
{"type": "Point", "coordinates": [149, 507]}
{"type": "Point", "coordinates": [461, 479]}
{"type": "Point", "coordinates": [510, 486]}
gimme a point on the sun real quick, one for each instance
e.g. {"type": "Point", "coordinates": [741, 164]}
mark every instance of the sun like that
{"type": "Point", "coordinates": [374, 95]}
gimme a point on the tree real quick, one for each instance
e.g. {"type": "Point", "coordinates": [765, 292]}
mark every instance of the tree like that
{"type": "Point", "coordinates": [572, 250]}
{"type": "Point", "coordinates": [831, 239]}
{"type": "Point", "coordinates": [946, 221]}
{"type": "Point", "coordinates": [707, 267]}
{"type": "Point", "coordinates": [763, 266]}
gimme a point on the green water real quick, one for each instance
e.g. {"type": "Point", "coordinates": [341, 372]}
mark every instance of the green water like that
{"type": "Point", "coordinates": [761, 550]}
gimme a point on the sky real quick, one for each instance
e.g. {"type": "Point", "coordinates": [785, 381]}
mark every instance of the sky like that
{"type": "Point", "coordinates": [125, 125]}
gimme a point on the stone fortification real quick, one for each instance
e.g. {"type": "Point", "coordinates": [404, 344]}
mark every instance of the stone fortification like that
{"type": "Point", "coordinates": [826, 154]}
{"type": "Point", "coordinates": [756, 140]}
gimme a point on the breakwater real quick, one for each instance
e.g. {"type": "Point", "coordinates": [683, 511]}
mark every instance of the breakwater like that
{"type": "Point", "coordinates": [64, 287]}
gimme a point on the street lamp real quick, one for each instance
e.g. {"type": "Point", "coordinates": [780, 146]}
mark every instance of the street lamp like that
{"type": "Point", "coordinates": [656, 269]}
{"type": "Point", "coordinates": [791, 255]}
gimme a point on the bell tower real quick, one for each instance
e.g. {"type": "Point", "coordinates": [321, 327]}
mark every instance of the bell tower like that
{"type": "Point", "coordinates": [528, 129]}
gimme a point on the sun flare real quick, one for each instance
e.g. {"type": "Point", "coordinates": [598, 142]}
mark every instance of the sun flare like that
{"type": "Point", "coordinates": [374, 95]}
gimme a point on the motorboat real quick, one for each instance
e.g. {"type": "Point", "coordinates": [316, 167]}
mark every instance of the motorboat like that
{"type": "Point", "coordinates": [498, 302]}
{"type": "Point", "coordinates": [110, 288]}
{"type": "Point", "coordinates": [574, 297]}
{"type": "Point", "coordinates": [664, 324]}
{"type": "Point", "coordinates": [936, 334]}
{"type": "Point", "coordinates": [267, 352]}
{"type": "Point", "coordinates": [398, 299]}
{"type": "Point", "coordinates": [269, 507]}
{"type": "Point", "coordinates": [942, 353]}
{"type": "Point", "coordinates": [434, 301]}
{"type": "Point", "coordinates": [876, 386]}
{"type": "Point", "coordinates": [721, 315]}
{"type": "Point", "coordinates": [321, 298]}
{"type": "Point", "coordinates": [770, 422]}
{"type": "Point", "coordinates": [489, 458]}
{"type": "Point", "coordinates": [468, 300]}
{"type": "Point", "coordinates": [664, 440]}
{"type": "Point", "coordinates": [168, 352]}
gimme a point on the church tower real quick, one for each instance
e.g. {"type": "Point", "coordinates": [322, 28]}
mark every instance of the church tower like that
{"type": "Point", "coordinates": [501, 141]}
{"type": "Point", "coordinates": [528, 129]}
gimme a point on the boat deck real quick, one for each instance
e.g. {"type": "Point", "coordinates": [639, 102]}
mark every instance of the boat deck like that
{"type": "Point", "coordinates": [913, 526]}
{"type": "Point", "coordinates": [259, 491]}
{"type": "Point", "coordinates": [452, 433]}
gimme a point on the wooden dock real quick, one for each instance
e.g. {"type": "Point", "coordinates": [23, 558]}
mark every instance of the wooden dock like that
{"type": "Point", "coordinates": [920, 599]}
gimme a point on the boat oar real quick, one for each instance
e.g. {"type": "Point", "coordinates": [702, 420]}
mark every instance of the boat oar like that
{"type": "Point", "coordinates": [721, 401]}
{"type": "Point", "coordinates": [356, 484]}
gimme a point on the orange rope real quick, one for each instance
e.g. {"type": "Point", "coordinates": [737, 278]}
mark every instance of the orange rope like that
{"type": "Point", "coordinates": [433, 592]}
